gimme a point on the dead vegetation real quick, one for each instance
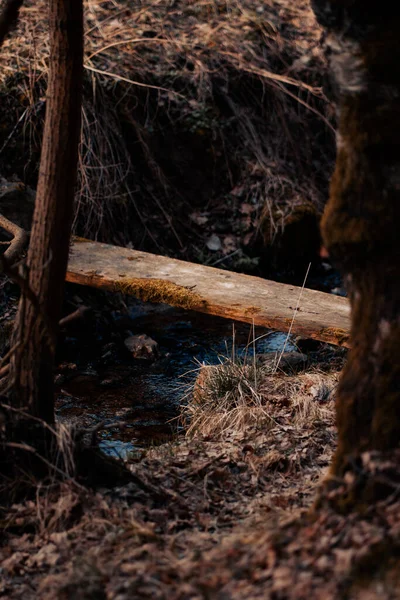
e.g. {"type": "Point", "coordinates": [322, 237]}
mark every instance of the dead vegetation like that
{"type": "Point", "coordinates": [241, 393]}
{"type": "Point", "coordinates": [123, 545]}
{"type": "Point", "coordinates": [208, 105]}
{"type": "Point", "coordinates": [186, 500]}
{"type": "Point", "coordinates": [214, 516]}
{"type": "Point", "coordinates": [224, 513]}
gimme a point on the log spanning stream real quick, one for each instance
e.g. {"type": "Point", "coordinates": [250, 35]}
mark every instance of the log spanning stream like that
{"type": "Point", "coordinates": [190, 316]}
{"type": "Point", "coordinates": [234, 296]}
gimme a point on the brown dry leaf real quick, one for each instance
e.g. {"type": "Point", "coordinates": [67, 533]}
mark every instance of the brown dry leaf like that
{"type": "Point", "coordinates": [238, 190]}
{"type": "Point", "coordinates": [282, 578]}
{"type": "Point", "coordinates": [199, 218]}
{"type": "Point", "coordinates": [229, 244]}
{"type": "Point", "coordinates": [59, 537]}
{"type": "Point", "coordinates": [246, 208]}
{"type": "Point", "coordinates": [47, 556]}
{"type": "Point", "coordinates": [14, 563]}
{"type": "Point", "coordinates": [247, 239]}
{"type": "Point", "coordinates": [344, 559]}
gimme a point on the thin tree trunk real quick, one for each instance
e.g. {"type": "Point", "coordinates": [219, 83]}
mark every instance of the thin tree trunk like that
{"type": "Point", "coordinates": [32, 364]}
{"type": "Point", "coordinates": [8, 17]}
{"type": "Point", "coordinates": [361, 223]}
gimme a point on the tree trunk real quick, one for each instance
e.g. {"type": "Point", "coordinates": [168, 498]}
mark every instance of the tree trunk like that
{"type": "Point", "coordinates": [361, 220]}
{"type": "Point", "coordinates": [8, 17]}
{"type": "Point", "coordinates": [33, 362]}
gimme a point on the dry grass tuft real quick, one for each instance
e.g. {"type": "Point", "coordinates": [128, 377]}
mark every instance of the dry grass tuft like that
{"type": "Point", "coordinates": [233, 397]}
{"type": "Point", "coordinates": [226, 397]}
{"type": "Point", "coordinates": [312, 398]}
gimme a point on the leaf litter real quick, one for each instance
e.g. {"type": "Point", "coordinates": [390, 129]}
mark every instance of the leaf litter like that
{"type": "Point", "coordinates": [226, 516]}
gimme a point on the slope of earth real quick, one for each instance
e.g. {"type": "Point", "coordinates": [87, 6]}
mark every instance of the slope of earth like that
{"type": "Point", "coordinates": [206, 127]}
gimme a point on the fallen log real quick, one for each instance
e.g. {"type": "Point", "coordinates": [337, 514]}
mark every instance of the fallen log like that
{"type": "Point", "coordinates": [235, 296]}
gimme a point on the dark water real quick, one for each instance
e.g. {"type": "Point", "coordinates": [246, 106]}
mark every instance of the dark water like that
{"type": "Point", "coordinates": [102, 383]}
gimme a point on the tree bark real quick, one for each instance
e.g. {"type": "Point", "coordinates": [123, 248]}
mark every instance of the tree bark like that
{"type": "Point", "coordinates": [33, 361]}
{"type": "Point", "coordinates": [361, 220]}
{"type": "Point", "coordinates": [9, 17]}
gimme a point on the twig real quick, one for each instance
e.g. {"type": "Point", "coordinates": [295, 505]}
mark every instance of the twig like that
{"type": "Point", "coordinates": [16, 277]}
{"type": "Point", "coordinates": [130, 41]}
{"type": "Point", "coordinates": [132, 82]}
{"type": "Point", "coordinates": [26, 415]}
{"type": "Point", "coordinates": [220, 260]}
{"type": "Point", "coordinates": [14, 129]}
{"type": "Point", "coordinates": [27, 293]}
{"type": "Point", "coordinates": [52, 467]}
{"type": "Point", "coordinates": [200, 470]}
{"type": "Point", "coordinates": [274, 76]}
{"type": "Point", "coordinates": [4, 370]}
{"type": "Point", "coordinates": [20, 446]}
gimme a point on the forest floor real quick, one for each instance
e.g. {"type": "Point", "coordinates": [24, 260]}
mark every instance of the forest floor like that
{"type": "Point", "coordinates": [192, 499]}
{"type": "Point", "coordinates": [207, 127]}
{"type": "Point", "coordinates": [223, 516]}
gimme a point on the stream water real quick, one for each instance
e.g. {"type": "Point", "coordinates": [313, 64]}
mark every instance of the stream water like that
{"type": "Point", "coordinates": [107, 385]}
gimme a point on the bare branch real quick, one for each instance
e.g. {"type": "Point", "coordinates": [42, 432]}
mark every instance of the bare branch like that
{"type": "Point", "coordinates": [4, 371]}
{"type": "Point", "coordinates": [79, 313]}
{"type": "Point", "coordinates": [18, 242]}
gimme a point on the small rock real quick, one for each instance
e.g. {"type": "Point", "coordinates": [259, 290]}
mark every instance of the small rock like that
{"type": "Point", "coordinates": [142, 346]}
{"type": "Point", "coordinates": [214, 243]}
{"type": "Point", "coordinates": [289, 361]}
{"type": "Point", "coordinates": [339, 291]}
{"type": "Point", "coordinates": [326, 266]}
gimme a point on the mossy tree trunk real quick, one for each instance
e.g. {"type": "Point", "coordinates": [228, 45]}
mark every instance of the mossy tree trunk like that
{"type": "Point", "coordinates": [361, 223]}
{"type": "Point", "coordinates": [36, 327]}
